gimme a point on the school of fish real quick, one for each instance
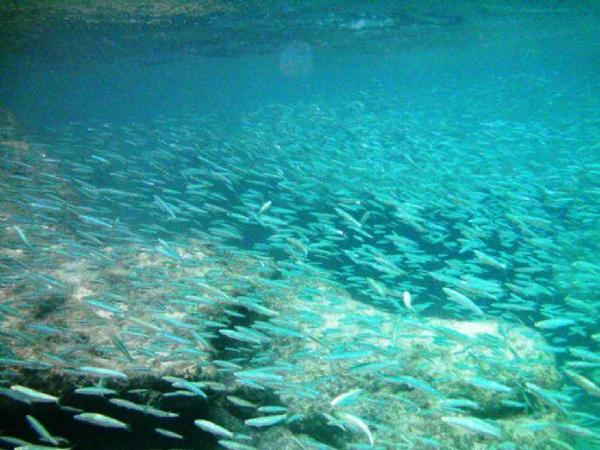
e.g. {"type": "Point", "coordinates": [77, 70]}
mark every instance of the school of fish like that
{"type": "Point", "coordinates": [372, 273]}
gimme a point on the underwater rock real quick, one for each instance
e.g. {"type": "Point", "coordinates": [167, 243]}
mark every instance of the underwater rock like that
{"type": "Point", "coordinates": [138, 11]}
{"type": "Point", "coordinates": [336, 363]}
{"type": "Point", "coordinates": [81, 317]}
{"type": "Point", "coordinates": [407, 371]}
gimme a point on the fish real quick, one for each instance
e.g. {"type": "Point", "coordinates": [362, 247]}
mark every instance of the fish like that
{"type": "Point", "coordinates": [415, 384]}
{"type": "Point", "coordinates": [407, 300]}
{"type": "Point", "coordinates": [168, 433]}
{"type": "Point", "coordinates": [22, 236]}
{"type": "Point", "coordinates": [102, 372]}
{"type": "Point", "coordinates": [584, 383]}
{"type": "Point", "coordinates": [547, 397]}
{"type": "Point", "coordinates": [264, 207]}
{"type": "Point", "coordinates": [463, 301]}
{"type": "Point", "coordinates": [95, 391]}
{"type": "Point", "coordinates": [474, 425]}
{"type": "Point", "coordinates": [41, 431]}
{"type": "Point", "coordinates": [213, 428]}
{"type": "Point", "coordinates": [346, 398]}
{"type": "Point", "coordinates": [265, 421]}
{"type": "Point", "coordinates": [552, 324]}
{"type": "Point", "coordinates": [490, 385]}
{"type": "Point", "coordinates": [34, 395]}
{"type": "Point", "coordinates": [356, 422]}
{"type": "Point", "coordinates": [101, 420]}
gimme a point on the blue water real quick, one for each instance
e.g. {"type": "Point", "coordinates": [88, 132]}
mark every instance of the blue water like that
{"type": "Point", "coordinates": [48, 91]}
{"type": "Point", "coordinates": [283, 197]}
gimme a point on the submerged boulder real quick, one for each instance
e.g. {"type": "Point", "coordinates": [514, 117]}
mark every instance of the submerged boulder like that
{"type": "Point", "coordinates": [144, 312]}
{"type": "Point", "coordinates": [287, 362]}
{"type": "Point", "coordinates": [358, 375]}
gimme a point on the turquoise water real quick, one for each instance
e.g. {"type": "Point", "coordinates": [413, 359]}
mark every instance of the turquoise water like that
{"type": "Point", "coordinates": [339, 226]}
